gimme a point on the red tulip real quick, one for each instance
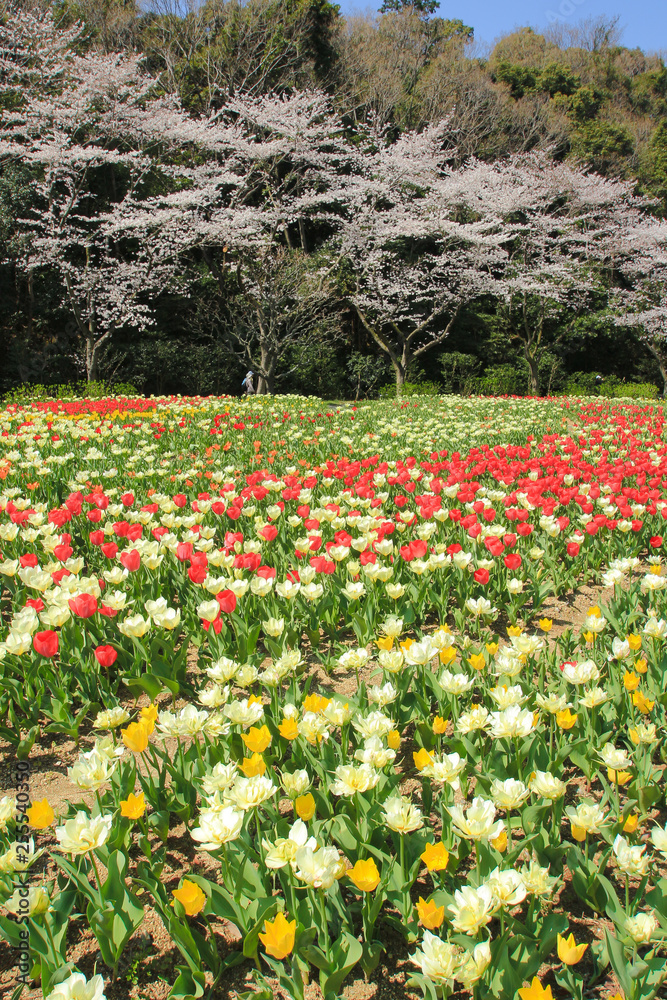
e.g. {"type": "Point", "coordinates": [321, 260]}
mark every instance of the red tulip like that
{"type": "Point", "coordinates": [83, 606]}
{"type": "Point", "coordinates": [197, 574]}
{"type": "Point", "coordinates": [481, 576]}
{"type": "Point", "coordinates": [45, 643]}
{"type": "Point", "coordinates": [227, 601]}
{"type": "Point", "coordinates": [131, 560]}
{"type": "Point", "coordinates": [105, 655]}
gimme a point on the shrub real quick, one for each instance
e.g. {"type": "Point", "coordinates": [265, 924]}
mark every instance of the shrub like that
{"type": "Point", "coordinates": [411, 389]}
{"type": "Point", "coordinates": [502, 380]}
{"type": "Point", "coordinates": [637, 390]}
{"type": "Point", "coordinates": [29, 392]}
{"type": "Point", "coordinates": [459, 372]}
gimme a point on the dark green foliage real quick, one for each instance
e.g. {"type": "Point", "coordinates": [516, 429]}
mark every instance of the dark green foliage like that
{"type": "Point", "coordinates": [423, 7]}
{"type": "Point", "coordinates": [519, 79]}
{"type": "Point", "coordinates": [601, 144]}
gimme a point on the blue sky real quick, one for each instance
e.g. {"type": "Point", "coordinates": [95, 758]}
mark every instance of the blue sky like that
{"type": "Point", "coordinates": [644, 21]}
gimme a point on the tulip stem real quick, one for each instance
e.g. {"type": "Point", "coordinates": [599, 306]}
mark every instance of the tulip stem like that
{"type": "Point", "coordinates": [49, 934]}
{"type": "Point", "coordinates": [97, 874]}
{"type": "Point", "coordinates": [325, 925]}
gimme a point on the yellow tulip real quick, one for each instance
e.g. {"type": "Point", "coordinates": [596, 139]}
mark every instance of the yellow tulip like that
{"type": "Point", "coordinates": [191, 897]}
{"type": "Point", "coordinates": [492, 648]}
{"type": "Point", "coordinates": [288, 729]}
{"type": "Point", "coordinates": [315, 703]}
{"type": "Point", "coordinates": [640, 701]}
{"type": "Point", "coordinates": [253, 765]}
{"type": "Point", "coordinates": [641, 665]}
{"type": "Point", "coordinates": [589, 637]}
{"type": "Point", "coordinates": [385, 642]}
{"type": "Point", "coordinates": [578, 832]}
{"type": "Point", "coordinates": [40, 814]}
{"type": "Point", "coordinates": [569, 952]}
{"type": "Point", "coordinates": [536, 991]}
{"type": "Point", "coordinates": [135, 737]}
{"type": "Point", "coordinates": [619, 778]}
{"type": "Point", "coordinates": [422, 758]}
{"type": "Point", "coordinates": [447, 655]}
{"type": "Point", "coordinates": [566, 719]}
{"type": "Point", "coordinates": [477, 661]}
{"type": "Point", "coordinates": [393, 739]}
{"type": "Point", "coordinates": [430, 915]}
{"type": "Point", "coordinates": [278, 936]}
{"type": "Point", "coordinates": [514, 630]}
{"type": "Point", "coordinates": [634, 642]}
{"type": "Point", "coordinates": [257, 740]}
{"type": "Point", "coordinates": [439, 725]}
{"type": "Point", "coordinates": [365, 875]}
{"type": "Point", "coordinates": [630, 681]}
{"type": "Point", "coordinates": [631, 823]}
{"type": "Point", "coordinates": [148, 717]}
{"type": "Point", "coordinates": [546, 624]}
{"type": "Point", "coordinates": [435, 857]}
{"type": "Point", "coordinates": [304, 806]}
{"type": "Point", "coordinates": [500, 842]}
{"type": "Point", "coordinates": [133, 807]}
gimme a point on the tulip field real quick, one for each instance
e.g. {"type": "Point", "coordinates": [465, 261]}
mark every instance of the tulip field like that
{"type": "Point", "coordinates": [337, 701]}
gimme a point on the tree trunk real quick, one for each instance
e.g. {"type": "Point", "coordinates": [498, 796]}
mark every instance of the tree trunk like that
{"type": "Point", "coordinates": [268, 362]}
{"type": "Point", "coordinates": [92, 358]}
{"type": "Point", "coordinates": [401, 368]}
{"type": "Point", "coordinates": [399, 371]}
{"type": "Point", "coordinates": [534, 375]}
{"type": "Point", "coordinates": [657, 354]}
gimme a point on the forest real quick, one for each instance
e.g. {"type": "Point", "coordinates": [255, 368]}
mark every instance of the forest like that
{"type": "Point", "coordinates": [345, 206]}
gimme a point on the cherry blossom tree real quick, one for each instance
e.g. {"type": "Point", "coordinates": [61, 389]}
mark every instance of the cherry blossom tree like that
{"type": "Point", "coordinates": [84, 125]}
{"type": "Point", "coordinates": [638, 256]}
{"type": "Point", "coordinates": [554, 221]}
{"type": "Point", "coordinates": [412, 263]}
{"type": "Point", "coordinates": [276, 171]}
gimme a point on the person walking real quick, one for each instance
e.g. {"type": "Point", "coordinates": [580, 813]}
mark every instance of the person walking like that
{"type": "Point", "coordinates": [248, 384]}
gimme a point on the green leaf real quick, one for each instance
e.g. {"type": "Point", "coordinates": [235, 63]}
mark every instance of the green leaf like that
{"type": "Point", "coordinates": [26, 744]}
{"type": "Point", "coordinates": [345, 954]}
{"type": "Point", "coordinates": [618, 962]}
{"type": "Point", "coordinates": [189, 985]}
{"type": "Point", "coordinates": [263, 910]}
{"type": "Point", "coordinates": [147, 684]}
